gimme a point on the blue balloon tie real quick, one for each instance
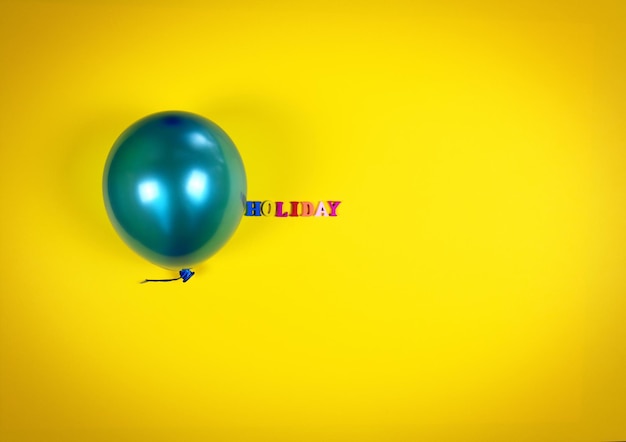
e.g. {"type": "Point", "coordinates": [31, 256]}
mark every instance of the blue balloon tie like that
{"type": "Point", "coordinates": [185, 275]}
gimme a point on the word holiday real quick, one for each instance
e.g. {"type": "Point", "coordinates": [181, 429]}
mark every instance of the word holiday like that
{"type": "Point", "coordinates": [281, 209]}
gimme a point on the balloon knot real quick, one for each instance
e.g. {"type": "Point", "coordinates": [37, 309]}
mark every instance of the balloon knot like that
{"type": "Point", "coordinates": [186, 274]}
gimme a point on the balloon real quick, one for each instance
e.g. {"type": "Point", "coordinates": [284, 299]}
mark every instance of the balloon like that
{"type": "Point", "coordinates": [174, 188]}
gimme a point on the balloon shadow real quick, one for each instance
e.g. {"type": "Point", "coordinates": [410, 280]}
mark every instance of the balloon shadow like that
{"type": "Point", "coordinates": [269, 135]}
{"type": "Point", "coordinates": [80, 180]}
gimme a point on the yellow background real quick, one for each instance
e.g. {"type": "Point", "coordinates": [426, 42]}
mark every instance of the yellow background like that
{"type": "Point", "coordinates": [471, 288]}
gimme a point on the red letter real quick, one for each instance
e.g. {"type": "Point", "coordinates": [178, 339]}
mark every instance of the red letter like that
{"type": "Point", "coordinates": [294, 208]}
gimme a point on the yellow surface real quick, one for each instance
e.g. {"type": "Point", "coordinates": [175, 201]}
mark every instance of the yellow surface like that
{"type": "Point", "coordinates": [471, 288]}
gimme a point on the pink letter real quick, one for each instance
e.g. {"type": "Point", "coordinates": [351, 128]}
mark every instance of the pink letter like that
{"type": "Point", "coordinates": [279, 210]}
{"type": "Point", "coordinates": [333, 207]}
{"type": "Point", "coordinates": [321, 209]}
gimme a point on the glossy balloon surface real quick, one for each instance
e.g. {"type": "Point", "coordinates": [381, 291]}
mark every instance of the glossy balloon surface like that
{"type": "Point", "coordinates": [174, 188]}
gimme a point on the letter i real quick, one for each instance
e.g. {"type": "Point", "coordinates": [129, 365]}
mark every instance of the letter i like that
{"type": "Point", "coordinates": [294, 208]}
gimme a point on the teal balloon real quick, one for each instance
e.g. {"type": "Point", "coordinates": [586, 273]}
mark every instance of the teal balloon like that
{"type": "Point", "coordinates": [174, 188]}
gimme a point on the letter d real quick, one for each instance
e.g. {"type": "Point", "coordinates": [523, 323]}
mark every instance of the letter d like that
{"type": "Point", "coordinates": [307, 208]}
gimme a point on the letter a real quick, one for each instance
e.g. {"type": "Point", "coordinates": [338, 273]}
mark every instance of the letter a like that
{"type": "Point", "coordinates": [321, 209]}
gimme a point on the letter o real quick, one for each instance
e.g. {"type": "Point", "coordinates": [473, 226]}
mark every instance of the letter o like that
{"type": "Point", "coordinates": [267, 208]}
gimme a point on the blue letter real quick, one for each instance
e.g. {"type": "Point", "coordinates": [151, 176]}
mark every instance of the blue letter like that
{"type": "Point", "coordinates": [253, 208]}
